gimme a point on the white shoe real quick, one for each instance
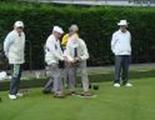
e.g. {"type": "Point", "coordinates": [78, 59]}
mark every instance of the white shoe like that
{"type": "Point", "coordinates": [12, 97]}
{"type": "Point", "coordinates": [128, 85]}
{"type": "Point", "coordinates": [19, 94]}
{"type": "Point", "coordinates": [117, 85]}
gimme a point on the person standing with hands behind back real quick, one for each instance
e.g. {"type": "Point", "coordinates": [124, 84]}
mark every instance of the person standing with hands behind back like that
{"type": "Point", "coordinates": [121, 47]}
{"type": "Point", "coordinates": [14, 46]}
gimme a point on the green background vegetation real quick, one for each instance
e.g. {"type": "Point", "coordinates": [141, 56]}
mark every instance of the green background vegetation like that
{"type": "Point", "coordinates": [96, 27]}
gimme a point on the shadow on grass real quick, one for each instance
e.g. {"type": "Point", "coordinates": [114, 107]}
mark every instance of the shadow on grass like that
{"type": "Point", "coordinates": [93, 78]}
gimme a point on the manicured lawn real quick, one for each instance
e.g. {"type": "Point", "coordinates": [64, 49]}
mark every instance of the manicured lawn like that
{"type": "Point", "coordinates": [137, 103]}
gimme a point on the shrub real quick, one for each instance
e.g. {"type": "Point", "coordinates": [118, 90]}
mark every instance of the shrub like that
{"type": "Point", "coordinates": [96, 27]}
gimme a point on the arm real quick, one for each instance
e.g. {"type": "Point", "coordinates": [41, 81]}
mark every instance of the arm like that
{"type": "Point", "coordinates": [85, 55]}
{"type": "Point", "coordinates": [7, 43]}
{"type": "Point", "coordinates": [130, 41]}
{"type": "Point", "coordinates": [113, 43]}
{"type": "Point", "coordinates": [130, 37]}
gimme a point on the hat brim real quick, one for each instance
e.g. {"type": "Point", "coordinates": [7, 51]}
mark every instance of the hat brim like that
{"type": "Point", "coordinates": [119, 24]}
{"type": "Point", "coordinates": [59, 32]}
{"type": "Point", "coordinates": [19, 26]}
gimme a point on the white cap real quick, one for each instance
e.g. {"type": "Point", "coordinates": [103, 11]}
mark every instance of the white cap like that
{"type": "Point", "coordinates": [58, 29]}
{"type": "Point", "coordinates": [123, 23]}
{"type": "Point", "coordinates": [19, 24]}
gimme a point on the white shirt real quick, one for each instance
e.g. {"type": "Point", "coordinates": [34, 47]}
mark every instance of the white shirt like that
{"type": "Point", "coordinates": [53, 52]}
{"type": "Point", "coordinates": [81, 49]}
{"type": "Point", "coordinates": [121, 43]}
{"type": "Point", "coordinates": [14, 46]}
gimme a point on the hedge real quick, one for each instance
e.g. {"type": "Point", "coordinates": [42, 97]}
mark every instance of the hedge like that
{"type": "Point", "coordinates": [97, 25]}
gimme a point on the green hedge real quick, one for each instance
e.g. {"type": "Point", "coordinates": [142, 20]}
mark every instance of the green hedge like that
{"type": "Point", "coordinates": [96, 27]}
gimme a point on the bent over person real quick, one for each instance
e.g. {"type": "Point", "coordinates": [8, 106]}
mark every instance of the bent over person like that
{"type": "Point", "coordinates": [52, 57]}
{"type": "Point", "coordinates": [14, 46]}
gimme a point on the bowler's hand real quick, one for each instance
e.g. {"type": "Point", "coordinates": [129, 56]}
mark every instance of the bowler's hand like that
{"type": "Point", "coordinates": [65, 59]}
{"type": "Point", "coordinates": [76, 60]}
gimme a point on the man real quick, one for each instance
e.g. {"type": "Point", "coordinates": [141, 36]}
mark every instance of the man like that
{"type": "Point", "coordinates": [52, 57]}
{"type": "Point", "coordinates": [14, 46]}
{"type": "Point", "coordinates": [77, 55]}
{"type": "Point", "coordinates": [121, 47]}
{"type": "Point", "coordinates": [73, 31]}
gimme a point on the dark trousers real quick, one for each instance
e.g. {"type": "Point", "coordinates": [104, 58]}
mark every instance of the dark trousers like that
{"type": "Point", "coordinates": [15, 81]}
{"type": "Point", "coordinates": [122, 63]}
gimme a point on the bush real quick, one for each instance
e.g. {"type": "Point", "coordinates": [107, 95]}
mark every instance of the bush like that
{"type": "Point", "coordinates": [96, 27]}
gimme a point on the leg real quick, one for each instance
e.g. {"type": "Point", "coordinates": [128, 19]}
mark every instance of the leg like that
{"type": "Point", "coordinates": [118, 65]}
{"type": "Point", "coordinates": [66, 81]}
{"type": "Point", "coordinates": [49, 85]}
{"type": "Point", "coordinates": [71, 77]}
{"type": "Point", "coordinates": [16, 75]}
{"type": "Point", "coordinates": [57, 81]}
{"type": "Point", "coordinates": [126, 63]}
{"type": "Point", "coordinates": [84, 75]}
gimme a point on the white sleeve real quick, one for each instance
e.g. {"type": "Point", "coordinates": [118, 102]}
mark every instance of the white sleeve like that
{"type": "Point", "coordinates": [113, 42]}
{"type": "Point", "coordinates": [7, 43]}
{"type": "Point", "coordinates": [130, 37]}
{"type": "Point", "coordinates": [85, 55]}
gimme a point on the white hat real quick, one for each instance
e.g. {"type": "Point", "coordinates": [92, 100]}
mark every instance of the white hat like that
{"type": "Point", "coordinates": [122, 23]}
{"type": "Point", "coordinates": [19, 24]}
{"type": "Point", "coordinates": [58, 29]}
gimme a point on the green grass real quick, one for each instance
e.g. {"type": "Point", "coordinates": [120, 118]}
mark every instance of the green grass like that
{"type": "Point", "coordinates": [137, 103]}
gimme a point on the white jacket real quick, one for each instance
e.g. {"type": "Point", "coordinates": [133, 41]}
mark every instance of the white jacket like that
{"type": "Point", "coordinates": [53, 52]}
{"type": "Point", "coordinates": [80, 46]}
{"type": "Point", "coordinates": [14, 47]}
{"type": "Point", "coordinates": [121, 43]}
